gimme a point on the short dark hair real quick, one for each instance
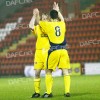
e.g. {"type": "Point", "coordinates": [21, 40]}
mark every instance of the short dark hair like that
{"type": "Point", "coordinates": [53, 14]}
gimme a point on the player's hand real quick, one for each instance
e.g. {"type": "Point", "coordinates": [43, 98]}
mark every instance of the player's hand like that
{"type": "Point", "coordinates": [55, 6]}
{"type": "Point", "coordinates": [35, 12]}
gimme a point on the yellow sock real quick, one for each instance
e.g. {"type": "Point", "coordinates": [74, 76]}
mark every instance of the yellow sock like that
{"type": "Point", "coordinates": [67, 83]}
{"type": "Point", "coordinates": [37, 85]}
{"type": "Point", "coordinates": [49, 83]}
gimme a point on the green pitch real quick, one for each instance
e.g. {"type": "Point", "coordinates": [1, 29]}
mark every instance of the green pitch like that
{"type": "Point", "coordinates": [82, 88]}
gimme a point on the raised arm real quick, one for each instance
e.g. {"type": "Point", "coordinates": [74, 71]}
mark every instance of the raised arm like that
{"type": "Point", "coordinates": [56, 7]}
{"type": "Point", "coordinates": [35, 18]}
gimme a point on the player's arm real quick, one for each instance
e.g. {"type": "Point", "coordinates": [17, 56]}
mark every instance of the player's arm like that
{"type": "Point", "coordinates": [60, 16]}
{"type": "Point", "coordinates": [32, 22]}
{"type": "Point", "coordinates": [37, 19]}
{"type": "Point", "coordinates": [56, 7]}
{"type": "Point", "coordinates": [42, 24]}
{"type": "Point", "coordinates": [34, 19]}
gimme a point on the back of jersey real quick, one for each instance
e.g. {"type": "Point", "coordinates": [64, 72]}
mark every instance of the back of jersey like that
{"type": "Point", "coordinates": [55, 31]}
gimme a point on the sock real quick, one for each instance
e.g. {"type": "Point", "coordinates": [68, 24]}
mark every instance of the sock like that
{"type": "Point", "coordinates": [49, 83]}
{"type": "Point", "coordinates": [67, 83]}
{"type": "Point", "coordinates": [37, 85]}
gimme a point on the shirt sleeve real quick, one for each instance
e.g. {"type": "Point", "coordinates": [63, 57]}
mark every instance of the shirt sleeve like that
{"type": "Point", "coordinates": [43, 26]}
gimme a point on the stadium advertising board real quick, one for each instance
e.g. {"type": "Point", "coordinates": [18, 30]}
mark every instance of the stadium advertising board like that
{"type": "Point", "coordinates": [75, 69]}
{"type": "Point", "coordinates": [92, 68]}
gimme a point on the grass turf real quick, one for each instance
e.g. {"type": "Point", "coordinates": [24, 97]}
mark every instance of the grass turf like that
{"type": "Point", "coordinates": [82, 88]}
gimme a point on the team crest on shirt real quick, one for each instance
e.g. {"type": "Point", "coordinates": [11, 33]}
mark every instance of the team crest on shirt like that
{"type": "Point", "coordinates": [44, 35]}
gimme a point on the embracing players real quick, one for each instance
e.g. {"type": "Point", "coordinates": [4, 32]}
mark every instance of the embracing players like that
{"type": "Point", "coordinates": [57, 54]}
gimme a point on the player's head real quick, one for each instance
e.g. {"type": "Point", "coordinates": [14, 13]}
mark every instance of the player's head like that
{"type": "Point", "coordinates": [44, 17]}
{"type": "Point", "coordinates": [54, 14]}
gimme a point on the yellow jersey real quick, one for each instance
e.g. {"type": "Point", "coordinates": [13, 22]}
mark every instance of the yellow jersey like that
{"type": "Point", "coordinates": [42, 39]}
{"type": "Point", "coordinates": [55, 32]}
